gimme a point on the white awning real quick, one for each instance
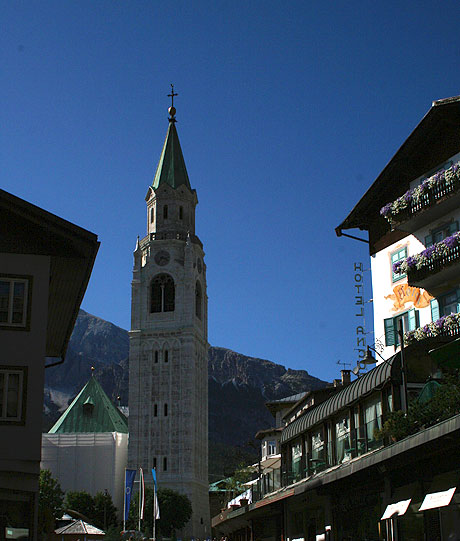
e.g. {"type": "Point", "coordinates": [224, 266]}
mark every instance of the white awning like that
{"type": "Point", "coordinates": [437, 499]}
{"type": "Point", "coordinates": [398, 508]}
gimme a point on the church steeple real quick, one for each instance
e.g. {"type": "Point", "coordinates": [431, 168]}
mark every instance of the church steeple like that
{"type": "Point", "coordinates": [171, 168]}
{"type": "Point", "coordinates": [170, 199]}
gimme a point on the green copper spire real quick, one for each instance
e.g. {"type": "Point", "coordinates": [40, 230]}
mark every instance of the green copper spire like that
{"type": "Point", "coordinates": [91, 411]}
{"type": "Point", "coordinates": [171, 167]}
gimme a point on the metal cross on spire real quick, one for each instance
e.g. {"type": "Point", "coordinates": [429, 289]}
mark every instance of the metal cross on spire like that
{"type": "Point", "coordinates": [172, 109]}
{"type": "Point", "coordinates": [172, 95]}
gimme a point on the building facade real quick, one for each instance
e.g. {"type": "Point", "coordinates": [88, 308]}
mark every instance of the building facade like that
{"type": "Point", "coordinates": [168, 358]}
{"type": "Point", "coordinates": [378, 459]}
{"type": "Point", "coordinates": [87, 448]}
{"type": "Point", "coordinates": [45, 265]}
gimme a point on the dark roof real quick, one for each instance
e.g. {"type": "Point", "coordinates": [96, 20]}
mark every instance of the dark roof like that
{"type": "Point", "coordinates": [434, 140]}
{"type": "Point", "coordinates": [262, 433]}
{"type": "Point", "coordinates": [28, 229]}
{"type": "Point", "coordinates": [91, 411]}
{"type": "Point", "coordinates": [361, 387]}
{"type": "Point", "coordinates": [171, 168]}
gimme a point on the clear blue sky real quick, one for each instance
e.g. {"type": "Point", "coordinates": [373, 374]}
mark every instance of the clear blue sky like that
{"type": "Point", "coordinates": [287, 111]}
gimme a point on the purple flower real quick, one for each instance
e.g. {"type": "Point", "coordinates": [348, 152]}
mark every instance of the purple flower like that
{"type": "Point", "coordinates": [397, 267]}
{"type": "Point", "coordinates": [450, 242]}
{"type": "Point", "coordinates": [428, 252]}
{"type": "Point", "coordinates": [384, 211]}
{"type": "Point", "coordinates": [440, 322]}
{"type": "Point", "coordinates": [426, 329]}
{"type": "Point", "coordinates": [411, 262]}
{"type": "Point", "coordinates": [424, 186]}
{"type": "Point", "coordinates": [408, 196]}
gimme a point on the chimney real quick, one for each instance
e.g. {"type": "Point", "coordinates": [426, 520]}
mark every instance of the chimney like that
{"type": "Point", "coordinates": [346, 376]}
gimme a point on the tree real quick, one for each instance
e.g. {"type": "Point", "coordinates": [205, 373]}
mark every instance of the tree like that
{"type": "Point", "coordinates": [105, 513]}
{"type": "Point", "coordinates": [175, 511]}
{"type": "Point", "coordinates": [50, 499]}
{"type": "Point", "coordinates": [82, 502]}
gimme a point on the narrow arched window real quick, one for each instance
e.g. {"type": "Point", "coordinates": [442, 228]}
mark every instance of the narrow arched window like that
{"type": "Point", "coordinates": [151, 215]}
{"type": "Point", "coordinates": [166, 356]}
{"type": "Point", "coordinates": [198, 300]}
{"type": "Point", "coordinates": [165, 212]}
{"type": "Point", "coordinates": [166, 410]}
{"type": "Point", "coordinates": [181, 213]}
{"type": "Point", "coordinates": [156, 356]}
{"type": "Point", "coordinates": [162, 294]}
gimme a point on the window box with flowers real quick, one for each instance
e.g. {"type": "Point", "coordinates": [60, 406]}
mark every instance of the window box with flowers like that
{"type": "Point", "coordinates": [430, 191]}
{"type": "Point", "coordinates": [431, 260]}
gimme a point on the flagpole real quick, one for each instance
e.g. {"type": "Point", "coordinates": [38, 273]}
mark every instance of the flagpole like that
{"type": "Point", "coordinates": [154, 512]}
{"type": "Point", "coordinates": [124, 506]}
{"type": "Point", "coordinates": [140, 500]}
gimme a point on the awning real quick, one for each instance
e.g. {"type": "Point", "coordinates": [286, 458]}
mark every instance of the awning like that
{"type": "Point", "coordinates": [437, 499]}
{"type": "Point", "coordinates": [447, 355]}
{"type": "Point", "coordinates": [398, 508]}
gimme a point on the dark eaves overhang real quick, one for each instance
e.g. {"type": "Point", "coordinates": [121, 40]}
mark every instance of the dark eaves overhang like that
{"type": "Point", "coordinates": [360, 388]}
{"type": "Point", "coordinates": [434, 140]}
{"type": "Point", "coordinates": [28, 229]}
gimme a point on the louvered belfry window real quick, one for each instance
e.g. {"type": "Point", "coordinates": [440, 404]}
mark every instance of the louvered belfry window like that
{"type": "Point", "coordinates": [162, 294]}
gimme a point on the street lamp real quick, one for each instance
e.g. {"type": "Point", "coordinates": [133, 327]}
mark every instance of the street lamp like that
{"type": "Point", "coordinates": [370, 359]}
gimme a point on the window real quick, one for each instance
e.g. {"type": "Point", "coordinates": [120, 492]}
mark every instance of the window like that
{"type": "Point", "coordinates": [181, 213]}
{"type": "Point", "coordinates": [410, 321]}
{"type": "Point", "coordinates": [162, 296]}
{"type": "Point", "coordinates": [151, 215]}
{"type": "Point", "coordinates": [166, 356]}
{"type": "Point", "coordinates": [441, 233]}
{"type": "Point", "coordinates": [14, 301]}
{"type": "Point", "coordinates": [296, 458]}
{"type": "Point", "coordinates": [166, 410]}
{"type": "Point", "coordinates": [12, 396]}
{"type": "Point", "coordinates": [155, 462]}
{"type": "Point", "coordinates": [395, 257]}
{"type": "Point", "coordinates": [198, 300]}
{"type": "Point", "coordinates": [445, 305]}
{"type": "Point", "coordinates": [165, 463]}
{"type": "Point", "coordinates": [342, 441]}
{"type": "Point", "coordinates": [165, 212]}
{"type": "Point", "coordinates": [156, 357]}
{"type": "Point", "coordinates": [318, 458]}
{"type": "Point", "coordinates": [271, 448]}
{"type": "Point", "coordinates": [155, 410]}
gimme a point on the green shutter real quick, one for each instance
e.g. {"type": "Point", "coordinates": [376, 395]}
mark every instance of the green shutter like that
{"type": "Point", "coordinates": [389, 331]}
{"type": "Point", "coordinates": [453, 227]}
{"type": "Point", "coordinates": [458, 301]}
{"type": "Point", "coordinates": [434, 309]}
{"type": "Point", "coordinates": [413, 319]}
{"type": "Point", "coordinates": [428, 241]}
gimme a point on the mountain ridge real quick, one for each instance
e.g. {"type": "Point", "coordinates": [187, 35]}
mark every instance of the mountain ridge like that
{"type": "Point", "coordinates": [238, 385]}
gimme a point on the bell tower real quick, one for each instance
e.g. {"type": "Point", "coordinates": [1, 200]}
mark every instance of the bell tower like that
{"type": "Point", "coordinates": [168, 351]}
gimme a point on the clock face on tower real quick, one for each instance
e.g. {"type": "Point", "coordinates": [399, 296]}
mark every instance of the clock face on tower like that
{"type": "Point", "coordinates": [162, 258]}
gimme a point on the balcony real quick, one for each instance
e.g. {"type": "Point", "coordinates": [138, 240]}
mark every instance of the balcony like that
{"type": "Point", "coordinates": [441, 330]}
{"type": "Point", "coordinates": [435, 268]}
{"type": "Point", "coordinates": [426, 203]}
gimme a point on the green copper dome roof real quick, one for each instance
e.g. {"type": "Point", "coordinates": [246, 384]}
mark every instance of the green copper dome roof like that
{"type": "Point", "coordinates": [171, 167]}
{"type": "Point", "coordinates": [91, 411]}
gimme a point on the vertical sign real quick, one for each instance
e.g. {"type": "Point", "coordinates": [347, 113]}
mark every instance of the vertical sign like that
{"type": "Point", "coordinates": [359, 304]}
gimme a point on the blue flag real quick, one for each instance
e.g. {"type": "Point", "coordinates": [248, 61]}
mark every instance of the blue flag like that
{"type": "Point", "coordinates": [155, 497]}
{"type": "Point", "coordinates": [130, 475]}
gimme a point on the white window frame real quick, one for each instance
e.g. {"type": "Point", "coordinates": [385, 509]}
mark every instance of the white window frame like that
{"type": "Point", "coordinates": [271, 447]}
{"type": "Point", "coordinates": [5, 373]}
{"type": "Point", "coordinates": [25, 311]}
